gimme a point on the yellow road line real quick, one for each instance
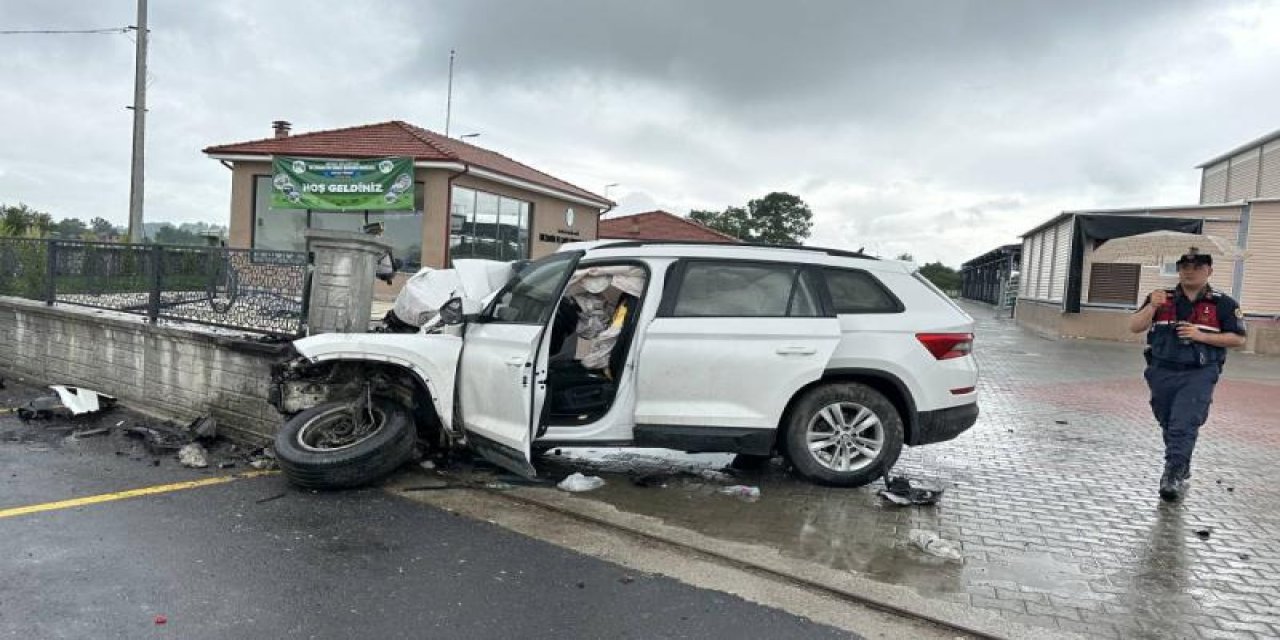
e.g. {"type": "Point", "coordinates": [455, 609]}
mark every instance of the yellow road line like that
{"type": "Point", "coordinates": [132, 493]}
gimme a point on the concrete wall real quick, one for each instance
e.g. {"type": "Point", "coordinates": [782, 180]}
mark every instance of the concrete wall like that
{"type": "Point", "coordinates": [165, 371]}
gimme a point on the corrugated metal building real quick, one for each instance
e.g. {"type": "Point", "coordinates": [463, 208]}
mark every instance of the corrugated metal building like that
{"type": "Point", "coordinates": [1063, 292]}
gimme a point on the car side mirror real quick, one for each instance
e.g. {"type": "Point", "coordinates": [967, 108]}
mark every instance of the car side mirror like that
{"type": "Point", "coordinates": [458, 310]}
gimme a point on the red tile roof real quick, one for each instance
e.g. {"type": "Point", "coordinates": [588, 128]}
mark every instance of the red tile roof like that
{"type": "Point", "coordinates": [660, 225]}
{"type": "Point", "coordinates": [397, 138]}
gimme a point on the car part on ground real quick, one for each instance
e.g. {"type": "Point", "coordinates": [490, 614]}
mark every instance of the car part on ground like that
{"type": "Point", "coordinates": [340, 445]}
{"type": "Point", "coordinates": [844, 434]}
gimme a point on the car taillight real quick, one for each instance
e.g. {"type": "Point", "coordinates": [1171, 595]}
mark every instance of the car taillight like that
{"type": "Point", "coordinates": [945, 346]}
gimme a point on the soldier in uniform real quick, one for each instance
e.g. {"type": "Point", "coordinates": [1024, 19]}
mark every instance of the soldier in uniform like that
{"type": "Point", "coordinates": [1189, 329]}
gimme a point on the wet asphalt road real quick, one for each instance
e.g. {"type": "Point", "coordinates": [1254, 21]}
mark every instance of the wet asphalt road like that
{"type": "Point", "coordinates": [218, 563]}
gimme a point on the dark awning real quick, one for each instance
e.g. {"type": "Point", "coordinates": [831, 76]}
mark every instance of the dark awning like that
{"type": "Point", "coordinates": [1106, 227]}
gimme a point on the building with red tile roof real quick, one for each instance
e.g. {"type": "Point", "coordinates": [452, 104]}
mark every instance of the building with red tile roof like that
{"type": "Point", "coordinates": [660, 225]}
{"type": "Point", "coordinates": [470, 201]}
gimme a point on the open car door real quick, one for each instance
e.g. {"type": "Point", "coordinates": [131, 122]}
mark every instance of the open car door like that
{"type": "Point", "coordinates": [499, 394]}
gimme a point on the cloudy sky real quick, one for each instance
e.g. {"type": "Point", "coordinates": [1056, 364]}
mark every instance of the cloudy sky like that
{"type": "Point", "coordinates": [942, 128]}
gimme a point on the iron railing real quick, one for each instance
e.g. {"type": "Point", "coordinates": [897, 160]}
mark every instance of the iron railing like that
{"type": "Point", "coordinates": [246, 289]}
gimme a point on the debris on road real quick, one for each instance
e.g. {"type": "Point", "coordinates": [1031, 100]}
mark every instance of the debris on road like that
{"type": "Point", "coordinates": [1204, 534]}
{"type": "Point", "coordinates": [44, 408]}
{"type": "Point", "coordinates": [427, 465]}
{"type": "Point", "coordinates": [650, 480]}
{"type": "Point", "coordinates": [262, 463]}
{"type": "Point", "coordinates": [203, 428]}
{"type": "Point", "coordinates": [161, 619]}
{"type": "Point", "coordinates": [715, 476]}
{"type": "Point", "coordinates": [80, 401]}
{"type": "Point", "coordinates": [578, 483]}
{"type": "Point", "coordinates": [747, 493]}
{"type": "Point", "coordinates": [932, 544]}
{"type": "Point", "coordinates": [270, 498]}
{"type": "Point", "coordinates": [193, 455]}
{"type": "Point", "coordinates": [432, 484]}
{"type": "Point", "coordinates": [91, 432]}
{"type": "Point", "coordinates": [902, 492]}
{"type": "Point", "coordinates": [160, 440]}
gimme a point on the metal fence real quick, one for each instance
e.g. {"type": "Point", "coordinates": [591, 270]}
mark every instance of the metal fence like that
{"type": "Point", "coordinates": [246, 289]}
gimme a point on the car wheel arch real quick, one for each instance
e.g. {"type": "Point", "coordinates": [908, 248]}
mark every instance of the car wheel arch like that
{"type": "Point", "coordinates": [399, 380]}
{"type": "Point", "coordinates": [886, 383]}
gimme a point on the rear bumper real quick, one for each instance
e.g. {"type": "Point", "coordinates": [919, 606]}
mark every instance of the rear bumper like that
{"type": "Point", "coordinates": [943, 424]}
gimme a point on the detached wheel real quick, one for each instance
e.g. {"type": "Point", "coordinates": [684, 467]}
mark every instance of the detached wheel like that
{"type": "Point", "coordinates": [844, 435]}
{"type": "Point", "coordinates": [325, 447]}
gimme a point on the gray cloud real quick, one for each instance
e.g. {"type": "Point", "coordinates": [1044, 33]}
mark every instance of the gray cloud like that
{"type": "Point", "coordinates": [941, 129]}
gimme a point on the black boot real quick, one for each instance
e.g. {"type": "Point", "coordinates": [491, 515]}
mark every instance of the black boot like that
{"type": "Point", "coordinates": [1174, 482]}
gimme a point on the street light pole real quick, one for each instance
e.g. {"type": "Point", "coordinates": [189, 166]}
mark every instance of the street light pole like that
{"type": "Point", "coordinates": [448, 104]}
{"type": "Point", "coordinates": [139, 126]}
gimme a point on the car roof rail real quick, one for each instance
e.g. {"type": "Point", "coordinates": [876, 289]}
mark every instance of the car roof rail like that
{"type": "Point", "coordinates": [841, 253]}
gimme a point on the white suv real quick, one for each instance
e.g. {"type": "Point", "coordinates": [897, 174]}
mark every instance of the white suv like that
{"type": "Point", "coordinates": [831, 358]}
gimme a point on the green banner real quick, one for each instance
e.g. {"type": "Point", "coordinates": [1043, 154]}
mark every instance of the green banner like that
{"type": "Point", "coordinates": [342, 185]}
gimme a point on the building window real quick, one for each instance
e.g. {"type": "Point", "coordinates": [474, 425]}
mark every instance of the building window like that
{"type": "Point", "coordinates": [489, 226]}
{"type": "Point", "coordinates": [282, 229]}
{"type": "Point", "coordinates": [1169, 267]}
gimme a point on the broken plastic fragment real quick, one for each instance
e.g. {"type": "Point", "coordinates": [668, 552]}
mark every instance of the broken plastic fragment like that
{"type": "Point", "coordinates": [750, 494]}
{"type": "Point", "coordinates": [901, 491]}
{"type": "Point", "coordinates": [932, 544]}
{"type": "Point", "coordinates": [80, 401]}
{"type": "Point", "coordinates": [193, 455]}
{"type": "Point", "coordinates": [578, 483]}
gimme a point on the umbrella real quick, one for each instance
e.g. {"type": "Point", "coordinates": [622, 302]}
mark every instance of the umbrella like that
{"type": "Point", "coordinates": [1148, 248]}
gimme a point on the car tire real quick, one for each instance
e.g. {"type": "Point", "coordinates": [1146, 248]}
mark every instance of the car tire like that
{"type": "Point", "coordinates": [860, 427]}
{"type": "Point", "coordinates": [312, 459]}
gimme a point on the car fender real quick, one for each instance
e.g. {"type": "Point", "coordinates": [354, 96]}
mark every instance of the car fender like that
{"type": "Point", "coordinates": [432, 357]}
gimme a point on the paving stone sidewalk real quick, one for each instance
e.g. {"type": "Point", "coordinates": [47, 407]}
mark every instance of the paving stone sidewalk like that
{"type": "Point", "coordinates": [1051, 496]}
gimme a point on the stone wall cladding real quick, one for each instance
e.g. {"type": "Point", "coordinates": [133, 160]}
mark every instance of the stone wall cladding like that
{"type": "Point", "coordinates": [167, 370]}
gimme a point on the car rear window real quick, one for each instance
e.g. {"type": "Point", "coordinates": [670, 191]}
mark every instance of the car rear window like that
{"type": "Point", "coordinates": [745, 290]}
{"type": "Point", "coordinates": [859, 292]}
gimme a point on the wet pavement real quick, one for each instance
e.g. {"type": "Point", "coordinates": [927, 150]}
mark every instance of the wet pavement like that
{"type": "Point", "coordinates": [256, 558]}
{"type": "Point", "coordinates": [1051, 497]}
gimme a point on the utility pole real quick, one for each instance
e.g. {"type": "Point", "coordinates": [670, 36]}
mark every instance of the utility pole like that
{"type": "Point", "coordinates": [139, 125]}
{"type": "Point", "coordinates": [448, 105]}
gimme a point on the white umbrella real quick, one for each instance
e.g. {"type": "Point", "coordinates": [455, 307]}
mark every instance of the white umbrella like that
{"type": "Point", "coordinates": [1148, 248]}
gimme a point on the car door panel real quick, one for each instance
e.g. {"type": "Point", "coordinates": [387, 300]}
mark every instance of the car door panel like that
{"type": "Point", "coordinates": [497, 392]}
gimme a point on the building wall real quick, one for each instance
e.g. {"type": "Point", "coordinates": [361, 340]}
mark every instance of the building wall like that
{"type": "Point", "coordinates": [1260, 290]}
{"type": "Point", "coordinates": [1213, 183]}
{"type": "Point", "coordinates": [164, 371]}
{"type": "Point", "coordinates": [1252, 173]}
{"type": "Point", "coordinates": [1046, 262]}
{"type": "Point", "coordinates": [1269, 180]}
{"type": "Point", "coordinates": [547, 219]}
{"type": "Point", "coordinates": [1220, 221]}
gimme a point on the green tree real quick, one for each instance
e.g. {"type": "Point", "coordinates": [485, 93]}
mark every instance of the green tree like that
{"type": "Point", "coordinates": [731, 221]}
{"type": "Point", "coordinates": [16, 221]}
{"type": "Point", "coordinates": [71, 228]}
{"type": "Point", "coordinates": [941, 276]}
{"type": "Point", "coordinates": [102, 227]}
{"type": "Point", "coordinates": [778, 218]}
{"type": "Point", "coordinates": [42, 224]}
